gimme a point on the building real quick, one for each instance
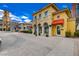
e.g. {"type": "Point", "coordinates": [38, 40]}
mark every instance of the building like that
{"type": "Point", "coordinates": [1, 22]}
{"type": "Point", "coordinates": [25, 26]}
{"type": "Point", "coordinates": [51, 21]}
{"type": "Point", "coordinates": [62, 23]}
{"type": "Point", "coordinates": [14, 26]}
{"type": "Point", "coordinates": [6, 24]}
{"type": "Point", "coordinates": [75, 13]}
{"type": "Point", "coordinates": [6, 21]}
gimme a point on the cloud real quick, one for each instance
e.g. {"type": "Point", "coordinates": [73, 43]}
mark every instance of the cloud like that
{"type": "Point", "coordinates": [5, 6]}
{"type": "Point", "coordinates": [1, 13]}
{"type": "Point", "coordinates": [26, 19]}
{"type": "Point", "coordinates": [1, 10]}
{"type": "Point", "coordinates": [15, 18]}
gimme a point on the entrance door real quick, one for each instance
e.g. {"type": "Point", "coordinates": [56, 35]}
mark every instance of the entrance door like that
{"type": "Point", "coordinates": [58, 30]}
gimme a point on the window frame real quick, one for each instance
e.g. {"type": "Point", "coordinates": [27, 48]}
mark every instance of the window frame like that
{"type": "Point", "coordinates": [46, 13]}
{"type": "Point", "coordinates": [40, 15]}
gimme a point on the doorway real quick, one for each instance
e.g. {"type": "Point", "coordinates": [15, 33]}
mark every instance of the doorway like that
{"type": "Point", "coordinates": [58, 30]}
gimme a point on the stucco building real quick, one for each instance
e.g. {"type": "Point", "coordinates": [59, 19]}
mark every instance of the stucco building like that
{"type": "Point", "coordinates": [6, 21]}
{"type": "Point", "coordinates": [52, 22]}
{"type": "Point", "coordinates": [25, 26]}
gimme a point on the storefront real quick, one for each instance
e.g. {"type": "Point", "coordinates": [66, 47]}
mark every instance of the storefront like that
{"type": "Point", "coordinates": [53, 22]}
{"type": "Point", "coordinates": [57, 26]}
{"type": "Point", "coordinates": [61, 23]}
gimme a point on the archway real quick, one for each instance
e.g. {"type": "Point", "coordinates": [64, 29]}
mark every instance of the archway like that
{"type": "Point", "coordinates": [35, 29]}
{"type": "Point", "coordinates": [39, 29]}
{"type": "Point", "coordinates": [46, 29]}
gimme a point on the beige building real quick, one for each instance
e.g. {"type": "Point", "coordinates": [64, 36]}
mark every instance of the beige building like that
{"type": "Point", "coordinates": [6, 21]}
{"type": "Point", "coordinates": [50, 21]}
{"type": "Point", "coordinates": [42, 20]}
{"type": "Point", "coordinates": [25, 26]}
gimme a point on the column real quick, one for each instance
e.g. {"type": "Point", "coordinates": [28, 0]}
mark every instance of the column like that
{"type": "Point", "coordinates": [50, 31]}
{"type": "Point", "coordinates": [37, 30]}
{"type": "Point", "coordinates": [42, 30]}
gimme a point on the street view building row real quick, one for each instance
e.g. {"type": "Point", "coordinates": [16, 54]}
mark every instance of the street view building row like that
{"type": "Point", "coordinates": [6, 24]}
{"type": "Point", "coordinates": [54, 22]}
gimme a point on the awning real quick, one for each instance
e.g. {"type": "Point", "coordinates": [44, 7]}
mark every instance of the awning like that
{"type": "Point", "coordinates": [30, 26]}
{"type": "Point", "coordinates": [58, 21]}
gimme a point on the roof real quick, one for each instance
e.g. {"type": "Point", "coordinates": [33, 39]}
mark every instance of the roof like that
{"type": "Point", "coordinates": [65, 10]}
{"type": "Point", "coordinates": [50, 4]}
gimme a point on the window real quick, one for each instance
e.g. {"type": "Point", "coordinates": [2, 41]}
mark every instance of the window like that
{"type": "Point", "coordinates": [46, 13]}
{"type": "Point", "coordinates": [35, 17]}
{"type": "Point", "coordinates": [58, 16]}
{"type": "Point", "coordinates": [39, 16]}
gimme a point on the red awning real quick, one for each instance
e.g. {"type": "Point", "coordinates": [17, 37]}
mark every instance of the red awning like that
{"type": "Point", "coordinates": [30, 26]}
{"type": "Point", "coordinates": [58, 21]}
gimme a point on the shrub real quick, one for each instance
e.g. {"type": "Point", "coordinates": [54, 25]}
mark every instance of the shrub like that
{"type": "Point", "coordinates": [39, 34]}
{"type": "Point", "coordinates": [28, 31]}
{"type": "Point", "coordinates": [76, 34]}
{"type": "Point", "coordinates": [68, 34]}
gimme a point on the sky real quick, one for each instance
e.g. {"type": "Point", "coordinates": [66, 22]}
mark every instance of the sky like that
{"type": "Point", "coordinates": [22, 12]}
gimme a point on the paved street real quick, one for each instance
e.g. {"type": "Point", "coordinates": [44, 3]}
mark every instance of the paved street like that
{"type": "Point", "coordinates": [22, 44]}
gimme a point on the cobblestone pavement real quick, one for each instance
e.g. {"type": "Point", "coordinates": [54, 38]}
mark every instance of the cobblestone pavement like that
{"type": "Point", "coordinates": [22, 44]}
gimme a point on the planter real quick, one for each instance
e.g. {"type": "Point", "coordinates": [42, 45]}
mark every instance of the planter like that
{"type": "Point", "coordinates": [47, 35]}
{"type": "Point", "coordinates": [39, 34]}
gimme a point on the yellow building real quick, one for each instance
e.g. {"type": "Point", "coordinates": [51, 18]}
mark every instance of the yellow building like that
{"type": "Point", "coordinates": [51, 21]}
{"type": "Point", "coordinates": [6, 21]}
{"type": "Point", "coordinates": [62, 22]}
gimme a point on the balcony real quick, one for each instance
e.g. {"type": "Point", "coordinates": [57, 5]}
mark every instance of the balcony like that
{"type": "Point", "coordinates": [58, 21]}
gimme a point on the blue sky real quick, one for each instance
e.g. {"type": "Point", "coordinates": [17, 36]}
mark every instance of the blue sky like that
{"type": "Point", "coordinates": [24, 11]}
